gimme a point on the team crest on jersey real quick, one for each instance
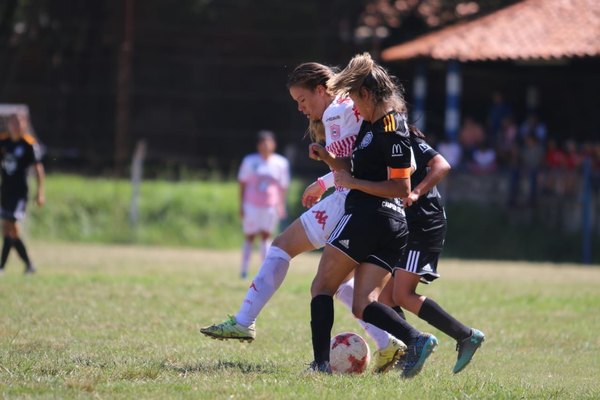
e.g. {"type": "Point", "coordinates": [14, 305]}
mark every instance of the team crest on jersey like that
{"type": "Point", "coordinates": [366, 140]}
{"type": "Point", "coordinates": [335, 131]}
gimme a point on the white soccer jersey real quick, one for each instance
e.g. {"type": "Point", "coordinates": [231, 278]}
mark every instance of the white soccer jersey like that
{"type": "Point", "coordinates": [264, 179]}
{"type": "Point", "coordinates": [342, 123]}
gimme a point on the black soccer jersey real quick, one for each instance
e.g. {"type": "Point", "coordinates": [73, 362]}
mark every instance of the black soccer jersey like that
{"type": "Point", "coordinates": [429, 203]}
{"type": "Point", "coordinates": [381, 152]}
{"type": "Point", "coordinates": [426, 217]}
{"type": "Point", "coordinates": [16, 158]}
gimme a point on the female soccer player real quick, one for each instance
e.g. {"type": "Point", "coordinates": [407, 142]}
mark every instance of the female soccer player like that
{"type": "Point", "coordinates": [264, 179]}
{"type": "Point", "coordinates": [18, 151]}
{"type": "Point", "coordinates": [334, 121]}
{"type": "Point", "coordinates": [370, 237]}
{"type": "Point", "coordinates": [426, 220]}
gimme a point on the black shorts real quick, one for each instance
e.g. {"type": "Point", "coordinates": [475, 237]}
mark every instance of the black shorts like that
{"type": "Point", "coordinates": [371, 237]}
{"type": "Point", "coordinates": [419, 262]}
{"type": "Point", "coordinates": [427, 235]}
{"type": "Point", "coordinates": [12, 208]}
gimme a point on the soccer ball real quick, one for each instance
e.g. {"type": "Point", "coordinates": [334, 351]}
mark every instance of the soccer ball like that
{"type": "Point", "coordinates": [349, 354]}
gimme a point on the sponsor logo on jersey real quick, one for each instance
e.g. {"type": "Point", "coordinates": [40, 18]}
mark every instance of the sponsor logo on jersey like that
{"type": "Point", "coordinates": [366, 140]}
{"type": "Point", "coordinates": [19, 151]}
{"type": "Point", "coordinates": [321, 217]}
{"type": "Point", "coordinates": [345, 243]}
{"type": "Point", "coordinates": [424, 147]}
{"type": "Point", "coordinates": [333, 118]}
{"type": "Point", "coordinates": [392, 206]}
{"type": "Point", "coordinates": [427, 268]}
{"type": "Point", "coordinates": [335, 131]}
{"type": "Point", "coordinates": [397, 150]}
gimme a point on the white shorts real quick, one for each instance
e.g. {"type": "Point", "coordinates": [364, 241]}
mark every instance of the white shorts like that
{"type": "Point", "coordinates": [259, 219]}
{"type": "Point", "coordinates": [321, 218]}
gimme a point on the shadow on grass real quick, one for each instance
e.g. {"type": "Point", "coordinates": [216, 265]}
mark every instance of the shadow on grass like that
{"type": "Point", "coordinates": [209, 367]}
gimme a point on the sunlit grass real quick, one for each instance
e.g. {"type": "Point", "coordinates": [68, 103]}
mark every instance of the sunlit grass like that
{"type": "Point", "coordinates": [122, 322]}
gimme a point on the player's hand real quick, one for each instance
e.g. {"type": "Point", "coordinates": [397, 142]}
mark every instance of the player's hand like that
{"type": "Point", "coordinates": [312, 194]}
{"type": "Point", "coordinates": [318, 152]}
{"type": "Point", "coordinates": [40, 199]}
{"type": "Point", "coordinates": [412, 198]}
{"type": "Point", "coordinates": [343, 178]}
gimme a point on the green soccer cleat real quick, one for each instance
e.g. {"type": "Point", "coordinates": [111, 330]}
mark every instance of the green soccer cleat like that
{"type": "Point", "coordinates": [467, 348]}
{"type": "Point", "coordinates": [416, 354]}
{"type": "Point", "coordinates": [230, 329]}
{"type": "Point", "coordinates": [386, 358]}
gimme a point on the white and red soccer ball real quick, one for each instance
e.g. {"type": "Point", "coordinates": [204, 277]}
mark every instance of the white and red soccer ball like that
{"type": "Point", "coordinates": [349, 354]}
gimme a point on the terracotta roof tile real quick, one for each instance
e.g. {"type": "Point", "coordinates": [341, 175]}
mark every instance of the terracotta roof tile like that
{"type": "Point", "coordinates": [532, 29]}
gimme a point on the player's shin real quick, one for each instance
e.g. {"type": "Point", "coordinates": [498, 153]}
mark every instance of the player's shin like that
{"type": "Point", "coordinates": [266, 282]}
{"type": "Point", "coordinates": [321, 323]}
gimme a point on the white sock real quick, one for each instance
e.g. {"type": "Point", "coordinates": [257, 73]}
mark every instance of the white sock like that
{"type": "Point", "coordinates": [264, 248]}
{"type": "Point", "coordinates": [379, 336]}
{"type": "Point", "coordinates": [270, 276]}
{"type": "Point", "coordinates": [246, 251]}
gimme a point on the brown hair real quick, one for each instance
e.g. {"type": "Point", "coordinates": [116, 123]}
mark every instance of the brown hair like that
{"type": "Point", "coordinates": [310, 75]}
{"type": "Point", "coordinates": [362, 71]}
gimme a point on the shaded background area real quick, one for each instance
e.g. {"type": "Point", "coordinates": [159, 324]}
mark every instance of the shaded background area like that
{"type": "Point", "coordinates": [196, 81]}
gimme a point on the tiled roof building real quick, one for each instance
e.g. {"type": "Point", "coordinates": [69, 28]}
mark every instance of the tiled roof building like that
{"type": "Point", "coordinates": [532, 29]}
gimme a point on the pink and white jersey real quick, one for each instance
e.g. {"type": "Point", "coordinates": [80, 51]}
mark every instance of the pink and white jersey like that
{"type": "Point", "coordinates": [342, 123]}
{"type": "Point", "coordinates": [265, 179]}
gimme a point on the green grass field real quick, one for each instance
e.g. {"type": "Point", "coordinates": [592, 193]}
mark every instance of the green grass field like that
{"type": "Point", "coordinates": [113, 322]}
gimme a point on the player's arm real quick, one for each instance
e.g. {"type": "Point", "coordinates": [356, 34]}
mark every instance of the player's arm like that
{"type": "Point", "coordinates": [397, 185]}
{"type": "Point", "coordinates": [396, 152]}
{"type": "Point", "coordinates": [438, 169]}
{"type": "Point", "coordinates": [40, 177]}
{"type": "Point", "coordinates": [317, 152]}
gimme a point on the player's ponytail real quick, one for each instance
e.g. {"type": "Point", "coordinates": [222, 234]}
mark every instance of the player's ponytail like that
{"type": "Point", "coordinates": [362, 71]}
{"type": "Point", "coordinates": [414, 131]}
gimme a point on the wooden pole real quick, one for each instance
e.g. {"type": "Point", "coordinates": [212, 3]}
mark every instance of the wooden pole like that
{"type": "Point", "coordinates": [123, 101]}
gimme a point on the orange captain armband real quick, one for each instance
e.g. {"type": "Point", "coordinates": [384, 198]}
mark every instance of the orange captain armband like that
{"type": "Point", "coordinates": [399, 173]}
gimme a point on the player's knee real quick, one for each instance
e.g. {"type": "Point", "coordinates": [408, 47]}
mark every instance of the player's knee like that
{"type": "Point", "coordinates": [320, 285]}
{"type": "Point", "coordinates": [282, 241]}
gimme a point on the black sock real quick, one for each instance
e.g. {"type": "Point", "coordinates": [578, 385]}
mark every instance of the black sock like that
{"type": "Point", "coordinates": [8, 242]}
{"type": "Point", "coordinates": [387, 319]}
{"type": "Point", "coordinates": [20, 247]}
{"type": "Point", "coordinates": [437, 317]}
{"type": "Point", "coordinates": [321, 322]}
{"type": "Point", "coordinates": [400, 312]}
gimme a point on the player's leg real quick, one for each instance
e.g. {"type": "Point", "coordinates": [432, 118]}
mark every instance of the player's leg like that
{"type": "Point", "coordinates": [271, 274]}
{"type": "Point", "coordinates": [8, 242]}
{"type": "Point", "coordinates": [265, 243]}
{"type": "Point", "coordinates": [246, 254]}
{"type": "Point", "coordinates": [334, 267]}
{"type": "Point", "coordinates": [404, 294]}
{"type": "Point", "coordinates": [269, 221]}
{"type": "Point", "coordinates": [371, 279]}
{"type": "Point", "coordinates": [306, 233]}
{"type": "Point", "coordinates": [389, 348]}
